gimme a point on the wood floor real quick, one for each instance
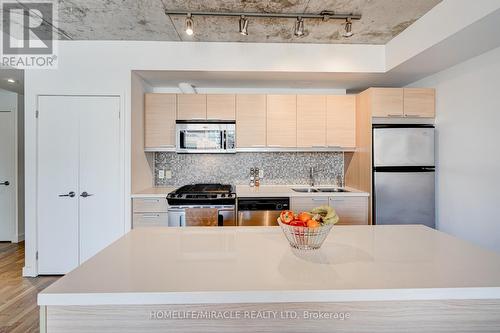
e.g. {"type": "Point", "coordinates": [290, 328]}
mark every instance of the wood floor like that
{"type": "Point", "coordinates": [18, 308]}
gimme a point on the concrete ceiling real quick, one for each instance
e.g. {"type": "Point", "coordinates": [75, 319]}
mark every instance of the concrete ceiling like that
{"type": "Point", "coordinates": [145, 20]}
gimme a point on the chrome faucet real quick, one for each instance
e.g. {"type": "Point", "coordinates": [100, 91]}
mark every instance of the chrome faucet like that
{"type": "Point", "coordinates": [311, 176]}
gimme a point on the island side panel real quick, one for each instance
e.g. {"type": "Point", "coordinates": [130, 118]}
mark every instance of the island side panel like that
{"type": "Point", "coordinates": [361, 317]}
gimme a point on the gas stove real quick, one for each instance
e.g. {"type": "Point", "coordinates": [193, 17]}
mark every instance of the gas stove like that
{"type": "Point", "coordinates": [202, 195]}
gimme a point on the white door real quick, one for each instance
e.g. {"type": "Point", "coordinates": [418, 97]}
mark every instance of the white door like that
{"type": "Point", "coordinates": [57, 185]}
{"type": "Point", "coordinates": [101, 219]}
{"type": "Point", "coordinates": [79, 151]}
{"type": "Point", "coordinates": [7, 175]}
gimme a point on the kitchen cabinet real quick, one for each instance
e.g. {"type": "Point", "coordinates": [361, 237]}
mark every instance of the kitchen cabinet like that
{"type": "Point", "coordinates": [351, 210]}
{"type": "Point", "coordinates": [79, 187]}
{"type": "Point", "coordinates": [419, 102]}
{"type": "Point", "coordinates": [311, 121]}
{"type": "Point", "coordinates": [281, 121]}
{"type": "Point", "coordinates": [341, 121]}
{"type": "Point", "coordinates": [306, 203]}
{"type": "Point", "coordinates": [159, 120]}
{"type": "Point", "coordinates": [387, 102]}
{"type": "Point", "coordinates": [221, 106]}
{"type": "Point", "coordinates": [149, 212]}
{"type": "Point", "coordinates": [251, 121]}
{"type": "Point", "coordinates": [191, 107]}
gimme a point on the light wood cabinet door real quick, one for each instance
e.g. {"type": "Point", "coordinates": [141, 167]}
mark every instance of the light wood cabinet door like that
{"type": "Point", "coordinates": [159, 119]}
{"type": "Point", "coordinates": [191, 106]}
{"type": "Point", "coordinates": [419, 102]}
{"type": "Point", "coordinates": [351, 210]}
{"type": "Point", "coordinates": [387, 102]}
{"type": "Point", "coordinates": [281, 121]}
{"type": "Point", "coordinates": [341, 121]}
{"type": "Point", "coordinates": [307, 203]}
{"type": "Point", "coordinates": [250, 121]}
{"type": "Point", "coordinates": [311, 121]}
{"type": "Point", "coordinates": [221, 107]}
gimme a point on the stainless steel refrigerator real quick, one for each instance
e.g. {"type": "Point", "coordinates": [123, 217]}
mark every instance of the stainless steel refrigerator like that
{"type": "Point", "coordinates": [403, 174]}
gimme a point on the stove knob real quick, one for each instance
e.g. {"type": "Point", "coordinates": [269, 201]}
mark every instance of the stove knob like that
{"type": "Point", "coordinates": [223, 195]}
{"type": "Point", "coordinates": [279, 206]}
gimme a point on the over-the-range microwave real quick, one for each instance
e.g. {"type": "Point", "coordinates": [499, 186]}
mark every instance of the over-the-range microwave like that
{"type": "Point", "coordinates": [205, 136]}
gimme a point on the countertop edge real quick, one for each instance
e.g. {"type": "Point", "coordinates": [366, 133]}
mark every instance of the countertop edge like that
{"type": "Point", "coordinates": [282, 296]}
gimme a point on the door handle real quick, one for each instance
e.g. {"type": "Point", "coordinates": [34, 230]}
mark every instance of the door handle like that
{"type": "Point", "coordinates": [70, 194]}
{"type": "Point", "coordinates": [85, 194]}
{"type": "Point", "coordinates": [6, 183]}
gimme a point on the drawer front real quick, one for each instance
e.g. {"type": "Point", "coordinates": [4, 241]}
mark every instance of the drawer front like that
{"type": "Point", "coordinates": [150, 220]}
{"type": "Point", "coordinates": [149, 205]}
{"type": "Point", "coordinates": [299, 204]}
{"type": "Point", "coordinates": [351, 210]}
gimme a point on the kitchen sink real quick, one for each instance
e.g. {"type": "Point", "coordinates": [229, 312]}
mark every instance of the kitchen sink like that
{"type": "Point", "coordinates": [332, 189]}
{"type": "Point", "coordinates": [315, 190]}
{"type": "Point", "coordinates": [305, 190]}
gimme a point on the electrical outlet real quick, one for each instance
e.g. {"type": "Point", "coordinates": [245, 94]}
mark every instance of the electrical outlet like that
{"type": "Point", "coordinates": [161, 174]}
{"type": "Point", "coordinates": [261, 173]}
{"type": "Point", "coordinates": [168, 174]}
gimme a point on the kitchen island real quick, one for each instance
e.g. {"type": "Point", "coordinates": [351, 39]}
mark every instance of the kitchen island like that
{"type": "Point", "coordinates": [248, 279]}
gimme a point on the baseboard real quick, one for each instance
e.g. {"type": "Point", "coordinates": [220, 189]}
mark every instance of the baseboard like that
{"type": "Point", "coordinates": [29, 271]}
{"type": "Point", "coordinates": [20, 237]}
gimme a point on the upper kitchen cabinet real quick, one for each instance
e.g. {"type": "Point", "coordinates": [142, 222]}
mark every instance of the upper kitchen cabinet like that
{"type": "Point", "coordinates": [341, 121]}
{"type": "Point", "coordinates": [251, 121]}
{"type": "Point", "coordinates": [281, 121]}
{"type": "Point", "coordinates": [159, 118]}
{"type": "Point", "coordinates": [311, 120]}
{"type": "Point", "coordinates": [222, 107]}
{"type": "Point", "coordinates": [387, 102]}
{"type": "Point", "coordinates": [191, 107]}
{"type": "Point", "coordinates": [419, 102]}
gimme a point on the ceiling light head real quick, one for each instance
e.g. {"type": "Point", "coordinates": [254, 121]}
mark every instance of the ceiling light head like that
{"type": "Point", "coordinates": [243, 25]}
{"type": "Point", "coordinates": [189, 25]}
{"type": "Point", "coordinates": [299, 27]}
{"type": "Point", "coordinates": [11, 80]}
{"type": "Point", "coordinates": [348, 28]}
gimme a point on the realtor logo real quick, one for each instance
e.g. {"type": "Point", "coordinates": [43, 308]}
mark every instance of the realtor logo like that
{"type": "Point", "coordinates": [28, 34]}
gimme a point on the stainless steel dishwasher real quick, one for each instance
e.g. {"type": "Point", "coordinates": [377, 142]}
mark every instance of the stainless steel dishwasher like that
{"type": "Point", "coordinates": [261, 211]}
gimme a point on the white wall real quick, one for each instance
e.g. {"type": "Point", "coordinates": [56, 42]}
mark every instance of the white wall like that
{"type": "Point", "coordinates": [468, 150]}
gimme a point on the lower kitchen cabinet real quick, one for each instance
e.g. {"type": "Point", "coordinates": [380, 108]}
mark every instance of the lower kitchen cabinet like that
{"type": "Point", "coordinates": [300, 204]}
{"type": "Point", "coordinates": [351, 210]}
{"type": "Point", "coordinates": [149, 212]}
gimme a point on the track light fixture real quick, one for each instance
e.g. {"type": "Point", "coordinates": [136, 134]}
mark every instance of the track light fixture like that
{"type": "Point", "coordinates": [348, 28]}
{"type": "Point", "coordinates": [299, 27]}
{"type": "Point", "coordinates": [299, 23]}
{"type": "Point", "coordinates": [243, 25]}
{"type": "Point", "coordinates": [189, 24]}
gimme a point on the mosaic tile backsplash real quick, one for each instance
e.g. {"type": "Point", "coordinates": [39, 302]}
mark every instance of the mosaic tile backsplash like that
{"type": "Point", "coordinates": [234, 169]}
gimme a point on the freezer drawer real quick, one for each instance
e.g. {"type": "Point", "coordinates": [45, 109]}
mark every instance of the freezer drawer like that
{"type": "Point", "coordinates": [407, 146]}
{"type": "Point", "coordinates": [404, 198]}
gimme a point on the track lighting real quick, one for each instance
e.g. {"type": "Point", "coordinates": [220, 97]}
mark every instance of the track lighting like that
{"type": "Point", "coordinates": [348, 28]}
{"type": "Point", "coordinates": [243, 25]}
{"type": "Point", "coordinates": [299, 27]}
{"type": "Point", "coordinates": [324, 16]}
{"type": "Point", "coordinates": [189, 25]}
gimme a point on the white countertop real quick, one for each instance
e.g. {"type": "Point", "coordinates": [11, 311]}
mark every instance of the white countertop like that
{"type": "Point", "coordinates": [256, 264]}
{"type": "Point", "coordinates": [261, 191]}
{"type": "Point", "coordinates": [243, 191]}
{"type": "Point", "coordinates": [154, 192]}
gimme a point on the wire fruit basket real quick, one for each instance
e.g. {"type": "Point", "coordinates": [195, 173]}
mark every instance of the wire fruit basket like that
{"type": "Point", "coordinates": [304, 238]}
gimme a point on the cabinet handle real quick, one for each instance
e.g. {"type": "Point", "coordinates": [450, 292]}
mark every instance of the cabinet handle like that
{"type": "Point", "coordinates": [338, 147]}
{"type": "Point", "coordinates": [70, 194]}
{"type": "Point", "coordinates": [321, 199]}
{"type": "Point", "coordinates": [395, 115]}
{"type": "Point", "coordinates": [319, 146]}
{"type": "Point", "coordinates": [151, 216]}
{"type": "Point", "coordinates": [412, 115]}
